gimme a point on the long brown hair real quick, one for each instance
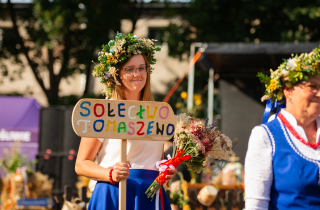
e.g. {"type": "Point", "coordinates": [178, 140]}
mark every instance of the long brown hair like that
{"type": "Point", "coordinates": [146, 95]}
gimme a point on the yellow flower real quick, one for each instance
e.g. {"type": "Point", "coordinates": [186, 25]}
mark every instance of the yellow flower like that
{"type": "Point", "coordinates": [198, 102]}
{"type": "Point", "coordinates": [108, 84]}
{"type": "Point", "coordinates": [184, 95]}
{"type": "Point", "coordinates": [298, 67]}
{"type": "Point", "coordinates": [149, 55]}
{"type": "Point", "coordinates": [196, 96]}
{"type": "Point", "coordinates": [273, 85]}
{"type": "Point", "coordinates": [316, 66]}
{"type": "Point", "coordinates": [111, 59]}
{"type": "Point", "coordinates": [178, 105]}
{"type": "Point", "coordinates": [186, 207]}
{"type": "Point", "coordinates": [184, 188]}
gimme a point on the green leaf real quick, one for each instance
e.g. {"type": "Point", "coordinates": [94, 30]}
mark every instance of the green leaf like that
{"type": "Point", "coordinates": [264, 78]}
{"type": "Point", "coordinates": [288, 84]}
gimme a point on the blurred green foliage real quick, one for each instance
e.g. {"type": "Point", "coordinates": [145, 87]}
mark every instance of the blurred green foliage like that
{"type": "Point", "coordinates": [241, 21]}
{"type": "Point", "coordinates": [180, 198]}
{"type": "Point", "coordinates": [67, 33]}
{"type": "Point", "coordinates": [14, 159]}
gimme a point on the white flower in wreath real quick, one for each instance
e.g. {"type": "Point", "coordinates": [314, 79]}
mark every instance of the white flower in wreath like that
{"type": "Point", "coordinates": [113, 71]}
{"type": "Point", "coordinates": [284, 72]}
{"type": "Point", "coordinates": [291, 64]}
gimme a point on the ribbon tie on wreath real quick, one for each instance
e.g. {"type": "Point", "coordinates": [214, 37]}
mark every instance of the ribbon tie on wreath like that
{"type": "Point", "coordinates": [269, 107]}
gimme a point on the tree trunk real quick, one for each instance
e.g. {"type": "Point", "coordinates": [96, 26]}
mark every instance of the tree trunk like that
{"type": "Point", "coordinates": [53, 97]}
{"type": "Point", "coordinates": [88, 74]}
{"type": "Point", "coordinates": [24, 49]}
{"type": "Point", "coordinates": [136, 13]}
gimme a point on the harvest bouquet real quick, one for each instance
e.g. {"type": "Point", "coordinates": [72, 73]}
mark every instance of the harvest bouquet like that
{"type": "Point", "coordinates": [194, 141]}
{"type": "Point", "coordinates": [20, 181]}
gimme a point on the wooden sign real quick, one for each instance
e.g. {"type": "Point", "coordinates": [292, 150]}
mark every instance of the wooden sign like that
{"type": "Point", "coordinates": [116, 119]}
{"type": "Point", "coordinates": [123, 119]}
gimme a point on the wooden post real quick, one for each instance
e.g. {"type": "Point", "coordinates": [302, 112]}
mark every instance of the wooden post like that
{"type": "Point", "coordinates": [240, 200]}
{"type": "Point", "coordinates": [123, 182]}
{"type": "Point", "coordinates": [67, 192]}
{"type": "Point", "coordinates": [229, 199]}
{"type": "Point", "coordinates": [217, 201]}
{"type": "Point", "coordinates": [83, 195]}
{"type": "Point", "coordinates": [193, 201]}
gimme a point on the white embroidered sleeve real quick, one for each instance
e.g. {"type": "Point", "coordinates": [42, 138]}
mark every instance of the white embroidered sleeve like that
{"type": "Point", "coordinates": [258, 170]}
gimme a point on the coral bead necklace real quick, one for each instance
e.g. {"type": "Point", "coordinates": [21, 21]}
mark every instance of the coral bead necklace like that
{"type": "Point", "coordinates": [295, 134]}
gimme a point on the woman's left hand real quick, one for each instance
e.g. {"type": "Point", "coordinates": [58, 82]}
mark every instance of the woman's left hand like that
{"type": "Point", "coordinates": [169, 177]}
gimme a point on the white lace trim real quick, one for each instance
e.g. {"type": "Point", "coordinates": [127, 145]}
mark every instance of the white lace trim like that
{"type": "Point", "coordinates": [304, 149]}
{"type": "Point", "coordinates": [271, 139]}
{"type": "Point", "coordinates": [297, 151]}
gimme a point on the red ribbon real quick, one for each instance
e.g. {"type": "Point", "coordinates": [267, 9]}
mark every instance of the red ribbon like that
{"type": "Point", "coordinates": [161, 197]}
{"type": "Point", "coordinates": [175, 161]}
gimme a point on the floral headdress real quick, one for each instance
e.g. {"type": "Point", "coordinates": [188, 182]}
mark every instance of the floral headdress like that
{"type": "Point", "coordinates": [290, 72]}
{"type": "Point", "coordinates": [116, 53]}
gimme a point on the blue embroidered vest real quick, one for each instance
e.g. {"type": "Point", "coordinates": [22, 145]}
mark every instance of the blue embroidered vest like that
{"type": "Point", "coordinates": [295, 177]}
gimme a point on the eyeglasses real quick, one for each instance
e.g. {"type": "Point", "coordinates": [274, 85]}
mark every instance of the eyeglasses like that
{"type": "Point", "coordinates": [132, 70]}
{"type": "Point", "coordinates": [311, 86]}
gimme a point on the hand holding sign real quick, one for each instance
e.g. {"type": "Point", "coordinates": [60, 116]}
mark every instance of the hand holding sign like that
{"type": "Point", "coordinates": [133, 120]}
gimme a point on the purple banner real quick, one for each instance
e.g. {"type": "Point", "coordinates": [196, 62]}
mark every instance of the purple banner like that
{"type": "Point", "coordinates": [25, 141]}
{"type": "Point", "coordinates": [19, 125]}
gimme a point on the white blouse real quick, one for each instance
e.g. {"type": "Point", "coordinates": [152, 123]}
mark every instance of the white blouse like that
{"type": "Point", "coordinates": [258, 162]}
{"type": "Point", "coordinates": [141, 154]}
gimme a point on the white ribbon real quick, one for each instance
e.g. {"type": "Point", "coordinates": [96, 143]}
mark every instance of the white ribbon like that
{"type": "Point", "coordinates": [157, 200]}
{"type": "Point", "coordinates": [162, 169]}
{"type": "Point", "coordinates": [25, 180]}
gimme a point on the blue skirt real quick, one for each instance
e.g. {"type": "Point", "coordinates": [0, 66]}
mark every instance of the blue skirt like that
{"type": "Point", "coordinates": [106, 196]}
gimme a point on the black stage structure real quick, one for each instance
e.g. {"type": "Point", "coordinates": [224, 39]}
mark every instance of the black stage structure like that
{"type": "Point", "coordinates": [236, 65]}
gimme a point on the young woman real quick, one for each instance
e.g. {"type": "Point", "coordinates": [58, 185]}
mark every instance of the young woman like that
{"type": "Point", "coordinates": [125, 70]}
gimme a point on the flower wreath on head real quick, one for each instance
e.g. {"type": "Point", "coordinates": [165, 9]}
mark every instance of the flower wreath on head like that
{"type": "Point", "coordinates": [291, 71]}
{"type": "Point", "coordinates": [116, 53]}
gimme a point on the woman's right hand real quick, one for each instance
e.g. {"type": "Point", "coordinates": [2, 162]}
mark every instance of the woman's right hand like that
{"type": "Point", "coordinates": [120, 171]}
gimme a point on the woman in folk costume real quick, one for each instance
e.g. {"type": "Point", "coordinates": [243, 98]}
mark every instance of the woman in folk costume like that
{"type": "Point", "coordinates": [283, 157]}
{"type": "Point", "coordinates": [125, 71]}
